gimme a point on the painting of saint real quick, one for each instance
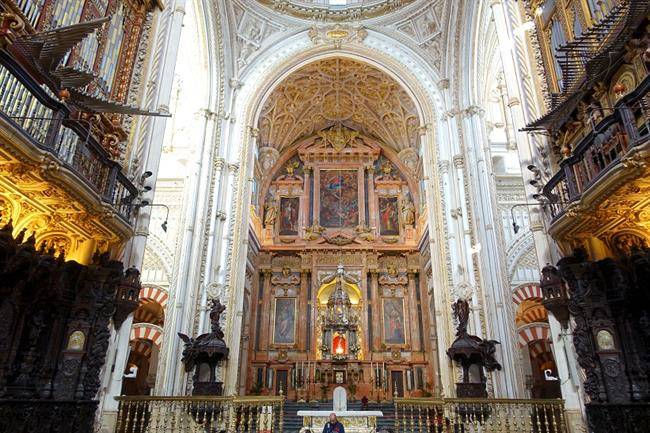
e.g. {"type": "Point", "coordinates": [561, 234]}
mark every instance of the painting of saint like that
{"type": "Point", "coordinates": [289, 216]}
{"type": "Point", "coordinates": [339, 198]}
{"type": "Point", "coordinates": [388, 216]}
{"type": "Point", "coordinates": [394, 321]}
{"type": "Point", "coordinates": [284, 329]}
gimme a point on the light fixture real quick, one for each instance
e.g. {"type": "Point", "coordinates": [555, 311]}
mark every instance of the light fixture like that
{"type": "Point", "coordinates": [147, 188]}
{"type": "Point", "coordinates": [163, 226]}
{"type": "Point", "coordinates": [532, 168]}
{"type": "Point", "coordinates": [515, 226]}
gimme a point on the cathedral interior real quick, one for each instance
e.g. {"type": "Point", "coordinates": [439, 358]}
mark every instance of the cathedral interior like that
{"type": "Point", "coordinates": [241, 215]}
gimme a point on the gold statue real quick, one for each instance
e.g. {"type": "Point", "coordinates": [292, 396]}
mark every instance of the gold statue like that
{"type": "Point", "coordinates": [408, 212]}
{"type": "Point", "coordinates": [270, 213]}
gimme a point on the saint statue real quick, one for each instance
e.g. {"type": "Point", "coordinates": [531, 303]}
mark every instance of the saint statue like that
{"type": "Point", "coordinates": [270, 213]}
{"type": "Point", "coordinates": [408, 212]}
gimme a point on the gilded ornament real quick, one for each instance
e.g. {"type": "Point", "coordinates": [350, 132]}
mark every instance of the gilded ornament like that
{"type": "Point", "coordinates": [338, 137]}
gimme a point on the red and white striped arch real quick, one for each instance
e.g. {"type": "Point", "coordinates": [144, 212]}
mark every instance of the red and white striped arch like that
{"type": "Point", "coordinates": [526, 291]}
{"type": "Point", "coordinates": [147, 331]}
{"type": "Point", "coordinates": [536, 313]}
{"type": "Point", "coordinates": [155, 294]}
{"type": "Point", "coordinates": [541, 349]}
{"type": "Point", "coordinates": [533, 332]}
{"type": "Point", "coordinates": [143, 347]}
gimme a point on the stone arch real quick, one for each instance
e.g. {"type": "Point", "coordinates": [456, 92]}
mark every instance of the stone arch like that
{"type": "Point", "coordinates": [526, 291]}
{"type": "Point", "coordinates": [398, 61]}
{"type": "Point", "coordinates": [147, 331]}
{"type": "Point", "coordinates": [533, 332]}
{"type": "Point", "coordinates": [155, 293]}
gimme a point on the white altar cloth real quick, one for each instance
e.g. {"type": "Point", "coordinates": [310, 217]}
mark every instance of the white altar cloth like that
{"type": "Point", "coordinates": [354, 421]}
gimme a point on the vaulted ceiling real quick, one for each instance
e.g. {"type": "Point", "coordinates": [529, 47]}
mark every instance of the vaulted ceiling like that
{"type": "Point", "coordinates": [339, 90]}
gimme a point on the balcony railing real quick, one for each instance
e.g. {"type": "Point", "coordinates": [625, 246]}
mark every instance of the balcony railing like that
{"type": "Point", "coordinates": [600, 150]}
{"type": "Point", "coordinates": [200, 414]}
{"type": "Point", "coordinates": [33, 111]}
{"type": "Point", "coordinates": [479, 415]}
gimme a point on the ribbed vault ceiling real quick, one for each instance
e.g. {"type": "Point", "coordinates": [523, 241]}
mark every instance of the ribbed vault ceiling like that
{"type": "Point", "coordinates": [339, 90]}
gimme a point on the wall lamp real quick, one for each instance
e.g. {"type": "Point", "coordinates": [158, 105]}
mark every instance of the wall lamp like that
{"type": "Point", "coordinates": [145, 203]}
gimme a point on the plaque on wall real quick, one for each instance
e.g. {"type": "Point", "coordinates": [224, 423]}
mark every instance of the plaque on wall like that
{"type": "Point", "coordinates": [339, 198]}
{"type": "Point", "coordinates": [284, 329]}
{"type": "Point", "coordinates": [388, 216]}
{"type": "Point", "coordinates": [289, 207]}
{"type": "Point", "coordinates": [393, 311]}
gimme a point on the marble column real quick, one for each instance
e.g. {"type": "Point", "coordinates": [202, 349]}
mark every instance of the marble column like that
{"type": "Point", "coordinates": [376, 311]}
{"type": "Point", "coordinates": [264, 311]}
{"type": "Point", "coordinates": [414, 323]}
{"type": "Point", "coordinates": [301, 315]}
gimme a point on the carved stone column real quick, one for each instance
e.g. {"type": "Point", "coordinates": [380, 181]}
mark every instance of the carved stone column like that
{"type": "Point", "coordinates": [376, 311]}
{"type": "Point", "coordinates": [414, 328]}
{"type": "Point", "coordinates": [372, 210]}
{"type": "Point", "coordinates": [301, 316]}
{"type": "Point", "coordinates": [264, 311]}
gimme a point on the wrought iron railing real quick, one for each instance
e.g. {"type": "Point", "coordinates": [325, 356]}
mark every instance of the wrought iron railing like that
{"type": "Point", "coordinates": [479, 415]}
{"type": "Point", "coordinates": [33, 111]}
{"type": "Point", "coordinates": [600, 150]}
{"type": "Point", "coordinates": [200, 414]}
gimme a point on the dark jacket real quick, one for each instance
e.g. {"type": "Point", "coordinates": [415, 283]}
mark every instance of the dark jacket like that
{"type": "Point", "coordinates": [337, 427]}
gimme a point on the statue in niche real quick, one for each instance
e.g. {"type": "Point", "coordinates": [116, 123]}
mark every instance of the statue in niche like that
{"type": "Point", "coordinates": [270, 213]}
{"type": "Point", "coordinates": [291, 168]}
{"type": "Point", "coordinates": [387, 171]}
{"type": "Point", "coordinates": [408, 212]}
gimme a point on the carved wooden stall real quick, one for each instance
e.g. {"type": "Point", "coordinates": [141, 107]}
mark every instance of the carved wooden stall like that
{"type": "Point", "coordinates": [54, 332]}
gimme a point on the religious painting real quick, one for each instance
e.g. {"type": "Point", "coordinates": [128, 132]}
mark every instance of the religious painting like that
{"type": "Point", "coordinates": [284, 329]}
{"type": "Point", "coordinates": [289, 207]}
{"type": "Point", "coordinates": [394, 332]}
{"type": "Point", "coordinates": [388, 216]}
{"type": "Point", "coordinates": [339, 198]}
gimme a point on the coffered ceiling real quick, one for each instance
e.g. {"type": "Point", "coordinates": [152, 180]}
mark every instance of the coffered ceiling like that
{"type": "Point", "coordinates": [338, 90]}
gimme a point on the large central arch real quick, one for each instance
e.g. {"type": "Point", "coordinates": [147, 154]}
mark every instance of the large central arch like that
{"type": "Point", "coordinates": [414, 75]}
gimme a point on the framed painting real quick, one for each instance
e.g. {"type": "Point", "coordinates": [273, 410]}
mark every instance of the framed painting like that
{"type": "Point", "coordinates": [284, 321]}
{"type": "Point", "coordinates": [393, 314]}
{"type": "Point", "coordinates": [339, 198]}
{"type": "Point", "coordinates": [388, 216]}
{"type": "Point", "coordinates": [289, 209]}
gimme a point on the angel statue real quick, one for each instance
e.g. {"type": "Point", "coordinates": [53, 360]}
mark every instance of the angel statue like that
{"type": "Point", "coordinates": [461, 311]}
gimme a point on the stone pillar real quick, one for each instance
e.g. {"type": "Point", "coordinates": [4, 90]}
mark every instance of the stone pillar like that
{"type": "Point", "coordinates": [301, 315]}
{"type": "Point", "coordinates": [376, 311]}
{"type": "Point", "coordinates": [264, 311]}
{"type": "Point", "coordinates": [416, 344]}
{"type": "Point", "coordinates": [372, 209]}
{"type": "Point", "coordinates": [524, 107]}
{"type": "Point", "coordinates": [149, 133]}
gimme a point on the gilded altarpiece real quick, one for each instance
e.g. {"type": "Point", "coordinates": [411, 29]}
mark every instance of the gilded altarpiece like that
{"type": "Point", "coordinates": [340, 298]}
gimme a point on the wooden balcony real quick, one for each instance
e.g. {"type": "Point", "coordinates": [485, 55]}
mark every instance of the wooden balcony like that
{"type": "Point", "coordinates": [33, 115]}
{"type": "Point", "coordinates": [604, 159]}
